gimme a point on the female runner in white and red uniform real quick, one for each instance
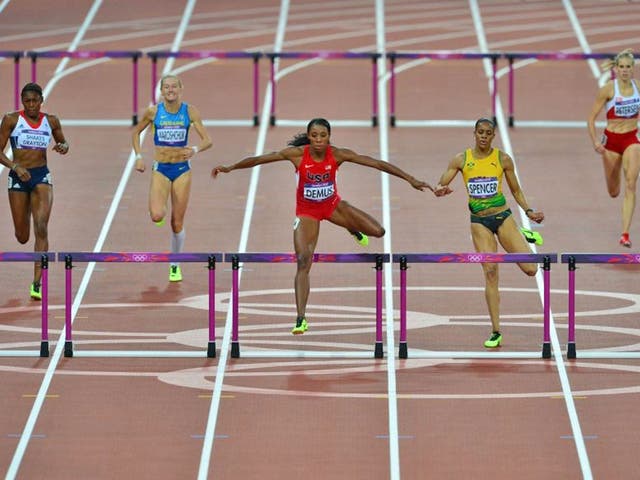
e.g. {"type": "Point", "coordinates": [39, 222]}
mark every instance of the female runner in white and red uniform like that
{"type": "Point", "coordinates": [30, 183]}
{"type": "Point", "coordinates": [316, 162]}
{"type": "Point", "coordinates": [619, 145]}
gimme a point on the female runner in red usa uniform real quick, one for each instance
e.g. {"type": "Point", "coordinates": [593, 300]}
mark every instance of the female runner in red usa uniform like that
{"type": "Point", "coordinates": [316, 162]}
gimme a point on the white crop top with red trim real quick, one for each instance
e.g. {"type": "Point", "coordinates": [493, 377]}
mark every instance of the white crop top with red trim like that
{"type": "Point", "coordinates": [622, 108]}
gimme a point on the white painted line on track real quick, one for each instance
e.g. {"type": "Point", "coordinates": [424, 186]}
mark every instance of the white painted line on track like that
{"type": "Point", "coordinates": [383, 132]}
{"type": "Point", "coordinates": [555, 343]}
{"type": "Point", "coordinates": [209, 435]}
{"type": "Point", "coordinates": [27, 432]}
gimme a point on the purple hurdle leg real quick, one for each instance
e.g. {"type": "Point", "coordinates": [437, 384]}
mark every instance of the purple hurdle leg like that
{"type": "Point", "coordinates": [546, 334]}
{"type": "Point", "coordinates": [34, 72]}
{"type": "Point", "coordinates": [154, 77]}
{"type": "Point", "coordinates": [494, 93]}
{"type": "Point", "coordinates": [211, 347]}
{"type": "Point", "coordinates": [44, 340]}
{"type": "Point", "coordinates": [235, 345]}
{"type": "Point", "coordinates": [374, 90]}
{"type": "Point", "coordinates": [272, 119]}
{"type": "Point", "coordinates": [402, 353]}
{"type": "Point", "coordinates": [378, 352]}
{"type": "Point", "coordinates": [392, 91]}
{"type": "Point", "coordinates": [68, 343]}
{"type": "Point", "coordinates": [134, 117]}
{"type": "Point", "coordinates": [16, 81]}
{"type": "Point", "coordinates": [256, 86]}
{"type": "Point", "coordinates": [511, 91]}
{"type": "Point", "coordinates": [571, 325]}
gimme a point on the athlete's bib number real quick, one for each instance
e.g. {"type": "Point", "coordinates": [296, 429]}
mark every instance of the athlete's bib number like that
{"type": "Point", "coordinates": [482, 187]}
{"type": "Point", "coordinates": [172, 135]}
{"type": "Point", "coordinates": [32, 139]}
{"type": "Point", "coordinates": [318, 192]}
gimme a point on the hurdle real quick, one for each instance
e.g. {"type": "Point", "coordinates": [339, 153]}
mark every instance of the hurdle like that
{"type": "Point", "coordinates": [137, 257]}
{"type": "Point", "coordinates": [43, 258]}
{"type": "Point", "coordinates": [440, 55]}
{"type": "Point", "coordinates": [545, 258]}
{"type": "Point", "coordinates": [255, 56]}
{"type": "Point", "coordinates": [327, 55]}
{"type": "Point", "coordinates": [237, 258]}
{"type": "Point", "coordinates": [89, 54]}
{"type": "Point", "coordinates": [571, 259]}
{"type": "Point", "coordinates": [16, 74]}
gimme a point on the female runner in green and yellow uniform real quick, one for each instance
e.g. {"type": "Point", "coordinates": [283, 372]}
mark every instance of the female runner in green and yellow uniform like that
{"type": "Point", "coordinates": [483, 168]}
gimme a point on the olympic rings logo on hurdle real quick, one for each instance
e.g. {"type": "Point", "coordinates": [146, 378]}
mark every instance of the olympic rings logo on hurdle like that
{"type": "Point", "coordinates": [140, 257]}
{"type": "Point", "coordinates": [475, 258]}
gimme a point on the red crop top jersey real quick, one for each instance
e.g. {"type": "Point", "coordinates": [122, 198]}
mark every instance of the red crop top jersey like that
{"type": "Point", "coordinates": [317, 193]}
{"type": "Point", "coordinates": [619, 107]}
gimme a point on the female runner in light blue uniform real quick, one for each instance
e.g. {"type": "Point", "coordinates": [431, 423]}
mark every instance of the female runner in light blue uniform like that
{"type": "Point", "coordinates": [171, 120]}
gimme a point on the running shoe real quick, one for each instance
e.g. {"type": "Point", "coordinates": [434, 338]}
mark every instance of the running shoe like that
{"type": "Point", "coordinates": [624, 240]}
{"type": "Point", "coordinates": [175, 274]}
{"type": "Point", "coordinates": [532, 237]}
{"type": "Point", "coordinates": [160, 223]}
{"type": "Point", "coordinates": [35, 291]}
{"type": "Point", "coordinates": [494, 340]}
{"type": "Point", "coordinates": [361, 238]}
{"type": "Point", "coordinates": [301, 326]}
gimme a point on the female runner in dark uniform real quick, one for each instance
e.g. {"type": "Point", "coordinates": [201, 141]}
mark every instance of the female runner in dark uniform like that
{"type": "Point", "coordinates": [30, 183]}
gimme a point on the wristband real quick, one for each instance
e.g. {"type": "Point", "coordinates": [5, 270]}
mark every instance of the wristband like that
{"type": "Point", "coordinates": [526, 212]}
{"type": "Point", "coordinates": [138, 156]}
{"type": "Point", "coordinates": [195, 150]}
{"type": "Point", "coordinates": [14, 166]}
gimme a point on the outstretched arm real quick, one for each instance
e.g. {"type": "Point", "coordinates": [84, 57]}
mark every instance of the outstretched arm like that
{"type": "Point", "coordinates": [516, 190]}
{"type": "Point", "coordinates": [604, 94]}
{"type": "Point", "coordinates": [455, 166]}
{"type": "Point", "coordinates": [293, 154]}
{"type": "Point", "coordinates": [346, 155]}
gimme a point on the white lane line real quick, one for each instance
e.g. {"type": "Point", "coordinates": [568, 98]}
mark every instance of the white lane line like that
{"type": "Point", "coordinates": [383, 133]}
{"type": "Point", "coordinates": [214, 407]}
{"type": "Point", "coordinates": [27, 432]}
{"type": "Point", "coordinates": [55, 359]}
{"type": "Point", "coordinates": [555, 343]}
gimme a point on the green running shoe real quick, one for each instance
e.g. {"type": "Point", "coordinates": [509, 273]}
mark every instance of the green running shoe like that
{"type": "Point", "coordinates": [35, 291]}
{"type": "Point", "coordinates": [494, 340]}
{"type": "Point", "coordinates": [532, 237]}
{"type": "Point", "coordinates": [301, 326]}
{"type": "Point", "coordinates": [361, 238]}
{"type": "Point", "coordinates": [161, 222]}
{"type": "Point", "coordinates": [175, 274]}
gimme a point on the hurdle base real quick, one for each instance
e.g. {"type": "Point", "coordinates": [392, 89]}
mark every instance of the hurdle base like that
{"type": "Point", "coordinates": [402, 351]}
{"type": "Point", "coordinates": [44, 348]}
{"type": "Point", "coordinates": [571, 350]}
{"type": "Point", "coordinates": [211, 350]}
{"type": "Point", "coordinates": [378, 352]}
{"type": "Point", "coordinates": [235, 350]}
{"type": "Point", "coordinates": [68, 349]}
{"type": "Point", "coordinates": [546, 350]}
